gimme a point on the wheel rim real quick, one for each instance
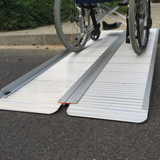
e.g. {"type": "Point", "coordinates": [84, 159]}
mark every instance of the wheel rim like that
{"type": "Point", "coordinates": [139, 24]}
{"type": "Point", "coordinates": [70, 25]}
{"type": "Point", "coordinates": [142, 23]}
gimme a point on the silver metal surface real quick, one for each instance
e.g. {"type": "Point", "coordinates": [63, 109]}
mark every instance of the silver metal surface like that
{"type": "Point", "coordinates": [39, 92]}
{"type": "Point", "coordinates": [121, 15]}
{"type": "Point", "coordinates": [110, 11]}
{"type": "Point", "coordinates": [121, 91]}
{"type": "Point", "coordinates": [74, 94]}
{"type": "Point", "coordinates": [114, 11]}
{"type": "Point", "coordinates": [151, 70]}
{"type": "Point", "coordinates": [11, 88]}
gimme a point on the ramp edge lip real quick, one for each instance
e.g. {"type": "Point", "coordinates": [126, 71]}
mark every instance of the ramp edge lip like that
{"type": "Point", "coordinates": [17, 84]}
{"type": "Point", "coordinates": [140, 120]}
{"type": "Point", "coordinates": [84, 82]}
{"type": "Point", "coordinates": [146, 99]}
{"type": "Point", "coordinates": [33, 112]}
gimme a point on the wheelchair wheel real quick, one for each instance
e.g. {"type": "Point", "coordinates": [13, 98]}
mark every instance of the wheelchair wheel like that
{"type": "Point", "coordinates": [139, 24]}
{"type": "Point", "coordinates": [70, 23]}
{"type": "Point", "coordinates": [94, 35]}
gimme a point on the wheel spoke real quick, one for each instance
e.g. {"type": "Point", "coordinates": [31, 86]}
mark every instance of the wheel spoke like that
{"type": "Point", "coordinates": [66, 14]}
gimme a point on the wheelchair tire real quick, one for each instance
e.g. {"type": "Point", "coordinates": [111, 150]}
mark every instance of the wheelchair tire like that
{"type": "Point", "coordinates": [139, 24]}
{"type": "Point", "coordinates": [66, 17]}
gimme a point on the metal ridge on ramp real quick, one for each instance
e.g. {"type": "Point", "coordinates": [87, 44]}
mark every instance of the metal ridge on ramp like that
{"type": "Point", "coordinates": [74, 94]}
{"type": "Point", "coordinates": [122, 90]}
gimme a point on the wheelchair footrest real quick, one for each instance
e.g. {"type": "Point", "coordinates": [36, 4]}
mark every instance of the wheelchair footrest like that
{"type": "Point", "coordinates": [107, 26]}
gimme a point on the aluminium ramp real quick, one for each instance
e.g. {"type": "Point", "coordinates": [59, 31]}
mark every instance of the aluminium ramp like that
{"type": "Point", "coordinates": [122, 90]}
{"type": "Point", "coordinates": [40, 90]}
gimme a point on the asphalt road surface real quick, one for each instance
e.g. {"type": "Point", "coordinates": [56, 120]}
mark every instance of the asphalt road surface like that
{"type": "Point", "coordinates": [27, 136]}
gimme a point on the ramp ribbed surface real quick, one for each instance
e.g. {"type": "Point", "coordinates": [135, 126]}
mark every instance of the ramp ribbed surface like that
{"type": "Point", "coordinates": [42, 93]}
{"type": "Point", "coordinates": [122, 90]}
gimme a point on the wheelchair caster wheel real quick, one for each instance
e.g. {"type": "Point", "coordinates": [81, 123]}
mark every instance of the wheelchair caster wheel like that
{"type": "Point", "coordinates": [95, 35]}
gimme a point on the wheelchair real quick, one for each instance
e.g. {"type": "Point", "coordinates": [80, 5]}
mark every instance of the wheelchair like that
{"type": "Point", "coordinates": [78, 20]}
